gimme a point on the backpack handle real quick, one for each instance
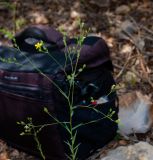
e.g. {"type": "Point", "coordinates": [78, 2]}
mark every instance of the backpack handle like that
{"type": "Point", "coordinates": [27, 39]}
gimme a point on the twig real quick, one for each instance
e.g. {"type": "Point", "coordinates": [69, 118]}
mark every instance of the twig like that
{"type": "Point", "coordinates": [125, 65]}
{"type": "Point", "coordinates": [146, 29]}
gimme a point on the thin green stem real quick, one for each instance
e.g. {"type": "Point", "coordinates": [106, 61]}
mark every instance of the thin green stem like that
{"type": "Point", "coordinates": [38, 144]}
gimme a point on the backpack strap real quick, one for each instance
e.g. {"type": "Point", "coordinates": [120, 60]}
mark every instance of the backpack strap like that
{"type": "Point", "coordinates": [27, 38]}
{"type": "Point", "coordinates": [52, 35]}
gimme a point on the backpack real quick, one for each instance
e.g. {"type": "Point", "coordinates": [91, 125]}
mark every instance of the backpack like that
{"type": "Point", "coordinates": [27, 78]}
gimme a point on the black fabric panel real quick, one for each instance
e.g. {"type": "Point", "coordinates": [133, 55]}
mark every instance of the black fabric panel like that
{"type": "Point", "coordinates": [29, 62]}
{"type": "Point", "coordinates": [94, 135]}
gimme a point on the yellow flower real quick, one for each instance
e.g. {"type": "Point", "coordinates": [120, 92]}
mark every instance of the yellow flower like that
{"type": "Point", "coordinates": [39, 45]}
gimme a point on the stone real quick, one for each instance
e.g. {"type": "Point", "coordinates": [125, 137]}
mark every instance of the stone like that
{"type": "Point", "coordinates": [126, 29]}
{"type": "Point", "coordinates": [74, 14]}
{"type": "Point", "coordinates": [38, 18]}
{"type": "Point", "coordinates": [123, 9]}
{"type": "Point", "coordinates": [138, 151]}
{"type": "Point", "coordinates": [100, 3]}
{"type": "Point", "coordinates": [134, 113]}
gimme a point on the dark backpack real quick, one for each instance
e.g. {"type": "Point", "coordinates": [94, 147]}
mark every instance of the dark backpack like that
{"type": "Point", "coordinates": [24, 92]}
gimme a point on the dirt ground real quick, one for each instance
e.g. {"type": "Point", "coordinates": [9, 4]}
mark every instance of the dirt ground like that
{"type": "Point", "coordinates": [127, 27]}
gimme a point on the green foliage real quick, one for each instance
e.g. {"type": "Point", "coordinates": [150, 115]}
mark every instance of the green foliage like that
{"type": "Point", "coordinates": [19, 23]}
{"type": "Point", "coordinates": [12, 7]}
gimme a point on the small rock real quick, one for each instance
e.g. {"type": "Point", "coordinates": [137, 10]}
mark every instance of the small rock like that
{"type": "Point", "coordinates": [134, 113]}
{"type": "Point", "coordinates": [38, 18]}
{"type": "Point", "coordinates": [74, 14]}
{"type": "Point", "coordinates": [140, 43]}
{"type": "Point", "coordinates": [123, 9]}
{"type": "Point", "coordinates": [126, 29]}
{"type": "Point", "coordinates": [110, 42]}
{"type": "Point", "coordinates": [100, 3]}
{"type": "Point", "coordinates": [138, 151]}
{"type": "Point", "coordinates": [4, 156]}
{"type": "Point", "coordinates": [126, 48]}
{"type": "Point", "coordinates": [123, 142]}
{"type": "Point", "coordinates": [3, 146]}
{"type": "Point", "coordinates": [15, 153]}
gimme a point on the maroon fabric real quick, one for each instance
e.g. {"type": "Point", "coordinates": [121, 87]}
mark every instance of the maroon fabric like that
{"type": "Point", "coordinates": [15, 108]}
{"type": "Point", "coordinates": [51, 34]}
{"type": "Point", "coordinates": [94, 55]}
{"type": "Point", "coordinates": [23, 78]}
